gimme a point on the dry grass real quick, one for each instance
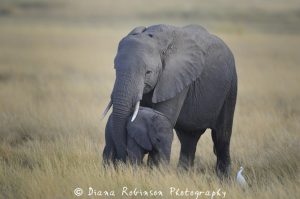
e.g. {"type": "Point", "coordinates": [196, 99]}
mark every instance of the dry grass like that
{"type": "Point", "coordinates": [56, 75]}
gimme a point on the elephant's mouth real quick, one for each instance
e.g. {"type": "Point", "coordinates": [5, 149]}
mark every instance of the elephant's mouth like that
{"type": "Point", "coordinates": [147, 88]}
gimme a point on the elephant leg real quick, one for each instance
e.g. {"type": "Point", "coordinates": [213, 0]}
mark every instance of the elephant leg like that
{"type": "Point", "coordinates": [135, 152]}
{"type": "Point", "coordinates": [153, 159]}
{"type": "Point", "coordinates": [221, 150]}
{"type": "Point", "coordinates": [188, 147]}
{"type": "Point", "coordinates": [109, 151]}
{"type": "Point", "coordinates": [221, 135]}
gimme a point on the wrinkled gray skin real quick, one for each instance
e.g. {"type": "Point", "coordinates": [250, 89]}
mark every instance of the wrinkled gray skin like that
{"type": "Point", "coordinates": [151, 132]}
{"type": "Point", "coordinates": [187, 74]}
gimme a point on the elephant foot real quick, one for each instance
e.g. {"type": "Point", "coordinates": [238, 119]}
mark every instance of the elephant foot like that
{"type": "Point", "coordinates": [183, 167]}
{"type": "Point", "coordinates": [223, 170]}
{"type": "Point", "coordinates": [108, 156]}
{"type": "Point", "coordinates": [185, 164]}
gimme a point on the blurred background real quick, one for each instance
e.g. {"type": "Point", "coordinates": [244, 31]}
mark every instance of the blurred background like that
{"type": "Point", "coordinates": [56, 76]}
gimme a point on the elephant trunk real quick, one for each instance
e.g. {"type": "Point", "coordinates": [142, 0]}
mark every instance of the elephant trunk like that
{"type": "Point", "coordinates": [124, 97]}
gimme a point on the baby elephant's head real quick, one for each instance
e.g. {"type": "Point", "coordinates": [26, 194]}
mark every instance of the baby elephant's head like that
{"type": "Point", "coordinates": [151, 132]}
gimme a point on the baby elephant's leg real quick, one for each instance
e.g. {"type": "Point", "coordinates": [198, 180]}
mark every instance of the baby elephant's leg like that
{"type": "Point", "coordinates": [135, 151]}
{"type": "Point", "coordinates": [161, 152]}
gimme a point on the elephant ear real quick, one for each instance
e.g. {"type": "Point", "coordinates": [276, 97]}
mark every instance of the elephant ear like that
{"type": "Point", "coordinates": [162, 129]}
{"type": "Point", "coordinates": [183, 61]}
{"type": "Point", "coordinates": [138, 131]}
{"type": "Point", "coordinates": [137, 30]}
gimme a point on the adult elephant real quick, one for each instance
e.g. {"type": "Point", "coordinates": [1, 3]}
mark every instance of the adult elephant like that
{"type": "Point", "coordinates": [187, 74]}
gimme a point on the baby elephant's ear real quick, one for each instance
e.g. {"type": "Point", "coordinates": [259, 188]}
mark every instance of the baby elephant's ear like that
{"type": "Point", "coordinates": [162, 130]}
{"type": "Point", "coordinates": [138, 132]}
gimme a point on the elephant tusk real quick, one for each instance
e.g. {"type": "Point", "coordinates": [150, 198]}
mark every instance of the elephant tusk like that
{"type": "Point", "coordinates": [136, 110]}
{"type": "Point", "coordinates": [106, 109]}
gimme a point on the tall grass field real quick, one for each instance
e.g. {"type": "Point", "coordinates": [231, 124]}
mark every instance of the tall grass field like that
{"type": "Point", "coordinates": [56, 77]}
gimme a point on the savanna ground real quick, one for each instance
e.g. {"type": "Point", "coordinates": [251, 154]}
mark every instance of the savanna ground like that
{"type": "Point", "coordinates": [56, 75]}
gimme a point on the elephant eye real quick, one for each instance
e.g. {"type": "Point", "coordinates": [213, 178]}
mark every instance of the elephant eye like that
{"type": "Point", "coordinates": [148, 72]}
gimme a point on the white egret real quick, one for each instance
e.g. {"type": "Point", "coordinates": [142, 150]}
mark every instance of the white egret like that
{"type": "Point", "coordinates": [240, 178]}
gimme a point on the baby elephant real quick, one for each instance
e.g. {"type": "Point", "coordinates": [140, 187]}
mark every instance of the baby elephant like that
{"type": "Point", "coordinates": [150, 132]}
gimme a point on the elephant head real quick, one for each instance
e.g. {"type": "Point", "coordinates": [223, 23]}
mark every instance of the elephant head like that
{"type": "Point", "coordinates": [162, 59]}
{"type": "Point", "coordinates": [151, 132]}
